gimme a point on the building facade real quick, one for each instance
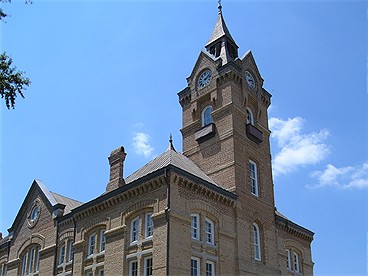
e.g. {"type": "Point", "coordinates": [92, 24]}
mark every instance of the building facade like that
{"type": "Point", "coordinates": [207, 211]}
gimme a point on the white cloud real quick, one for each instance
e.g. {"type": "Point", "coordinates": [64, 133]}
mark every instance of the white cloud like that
{"type": "Point", "coordinates": [345, 178]}
{"type": "Point", "coordinates": [141, 144]}
{"type": "Point", "coordinates": [296, 149]}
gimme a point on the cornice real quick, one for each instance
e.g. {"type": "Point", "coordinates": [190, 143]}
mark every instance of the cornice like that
{"type": "Point", "coordinates": [293, 228]}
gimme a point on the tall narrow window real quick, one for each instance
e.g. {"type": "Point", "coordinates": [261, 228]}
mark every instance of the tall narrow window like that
{"type": "Point", "coordinates": [253, 178]}
{"type": "Point", "coordinates": [210, 268]}
{"type": "Point", "coordinates": [296, 262]}
{"type": "Point", "coordinates": [91, 244]}
{"type": "Point", "coordinates": [133, 268]}
{"type": "Point", "coordinates": [32, 259]}
{"type": "Point", "coordinates": [210, 231]}
{"type": "Point", "coordinates": [256, 242]}
{"type": "Point", "coordinates": [101, 272]}
{"type": "Point", "coordinates": [61, 254]}
{"type": "Point", "coordinates": [70, 250]}
{"type": "Point", "coordinates": [134, 230]}
{"type": "Point", "coordinates": [195, 228]}
{"type": "Point", "coordinates": [37, 259]}
{"type": "Point", "coordinates": [288, 259]}
{"type": "Point", "coordinates": [148, 266]}
{"type": "Point", "coordinates": [250, 117]}
{"type": "Point", "coordinates": [148, 225]}
{"type": "Point", "coordinates": [207, 115]}
{"type": "Point", "coordinates": [194, 266]}
{"type": "Point", "coordinates": [102, 240]}
{"type": "Point", "coordinates": [24, 265]}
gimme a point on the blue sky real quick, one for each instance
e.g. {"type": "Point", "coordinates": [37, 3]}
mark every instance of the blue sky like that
{"type": "Point", "coordinates": [106, 74]}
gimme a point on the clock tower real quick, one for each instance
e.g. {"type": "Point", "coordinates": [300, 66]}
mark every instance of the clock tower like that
{"type": "Point", "coordinates": [225, 122]}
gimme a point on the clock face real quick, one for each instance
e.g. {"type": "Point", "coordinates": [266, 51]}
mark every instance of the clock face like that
{"type": "Point", "coordinates": [204, 78]}
{"type": "Point", "coordinates": [250, 80]}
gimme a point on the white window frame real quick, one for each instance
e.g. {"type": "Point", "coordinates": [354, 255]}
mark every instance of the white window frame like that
{"type": "Point", "coordinates": [31, 259]}
{"type": "Point", "coordinates": [198, 266]}
{"type": "Point", "coordinates": [89, 273]}
{"type": "Point", "coordinates": [210, 231]}
{"type": "Point", "coordinates": [62, 254]}
{"type": "Point", "coordinates": [70, 253]}
{"type": "Point", "coordinates": [195, 230]}
{"type": "Point", "coordinates": [134, 233]}
{"type": "Point", "coordinates": [102, 246]}
{"type": "Point", "coordinates": [131, 267]}
{"type": "Point", "coordinates": [288, 259]}
{"type": "Point", "coordinates": [24, 265]}
{"type": "Point", "coordinates": [91, 245]}
{"type": "Point", "coordinates": [37, 267]}
{"type": "Point", "coordinates": [148, 225]}
{"type": "Point", "coordinates": [296, 262]}
{"type": "Point", "coordinates": [207, 115]}
{"type": "Point", "coordinates": [256, 242]}
{"type": "Point", "coordinates": [212, 265]}
{"type": "Point", "coordinates": [101, 272]}
{"type": "Point", "coordinates": [253, 178]}
{"type": "Point", "coordinates": [146, 260]}
{"type": "Point", "coordinates": [250, 116]}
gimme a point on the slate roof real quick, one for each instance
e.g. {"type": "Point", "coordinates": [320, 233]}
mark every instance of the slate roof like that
{"type": "Point", "coordinates": [69, 203]}
{"type": "Point", "coordinates": [170, 157]}
{"type": "Point", "coordinates": [220, 30]}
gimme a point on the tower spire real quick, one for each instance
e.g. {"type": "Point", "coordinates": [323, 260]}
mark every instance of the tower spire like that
{"type": "Point", "coordinates": [221, 44]}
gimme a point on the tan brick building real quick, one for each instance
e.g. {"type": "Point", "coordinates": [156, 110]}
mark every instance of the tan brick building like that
{"type": "Point", "coordinates": [207, 211]}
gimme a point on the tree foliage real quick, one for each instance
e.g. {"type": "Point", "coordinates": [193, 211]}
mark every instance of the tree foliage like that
{"type": "Point", "coordinates": [12, 81]}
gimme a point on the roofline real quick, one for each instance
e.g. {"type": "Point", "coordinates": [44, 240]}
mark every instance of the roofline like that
{"type": "Point", "coordinates": [289, 223]}
{"type": "Point", "coordinates": [145, 179]}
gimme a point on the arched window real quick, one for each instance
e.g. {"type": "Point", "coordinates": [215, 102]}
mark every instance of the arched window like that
{"type": "Point", "coordinates": [207, 115]}
{"type": "Point", "coordinates": [250, 117]}
{"type": "Point", "coordinates": [30, 260]}
{"type": "Point", "coordinates": [256, 242]}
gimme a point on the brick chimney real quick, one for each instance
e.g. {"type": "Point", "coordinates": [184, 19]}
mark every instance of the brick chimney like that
{"type": "Point", "coordinates": [116, 161]}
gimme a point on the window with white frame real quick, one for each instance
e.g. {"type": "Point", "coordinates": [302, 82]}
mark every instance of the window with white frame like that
{"type": "Point", "coordinates": [256, 242]}
{"type": "Point", "coordinates": [250, 117]}
{"type": "Point", "coordinates": [194, 266]}
{"type": "Point", "coordinates": [134, 230]}
{"type": "Point", "coordinates": [288, 259]}
{"type": "Point", "coordinates": [91, 244]}
{"type": "Point", "coordinates": [148, 225]}
{"type": "Point", "coordinates": [61, 254]}
{"type": "Point", "coordinates": [133, 268]}
{"type": "Point", "coordinates": [102, 240]}
{"type": "Point", "coordinates": [209, 227]}
{"type": "Point", "coordinates": [101, 272]}
{"type": "Point", "coordinates": [30, 261]}
{"type": "Point", "coordinates": [195, 227]}
{"type": "Point", "coordinates": [296, 262]}
{"type": "Point", "coordinates": [89, 273]}
{"type": "Point", "coordinates": [148, 266]}
{"type": "Point", "coordinates": [207, 115]}
{"type": "Point", "coordinates": [210, 268]}
{"type": "Point", "coordinates": [70, 246]}
{"type": "Point", "coordinates": [253, 177]}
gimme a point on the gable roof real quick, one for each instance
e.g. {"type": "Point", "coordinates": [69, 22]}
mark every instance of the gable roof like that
{"type": "Point", "coordinates": [170, 157]}
{"type": "Point", "coordinates": [53, 200]}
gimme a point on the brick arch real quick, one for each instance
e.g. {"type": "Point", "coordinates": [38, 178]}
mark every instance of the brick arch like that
{"type": "Point", "coordinates": [34, 239]}
{"type": "Point", "coordinates": [98, 222]}
{"type": "Point", "coordinates": [291, 244]}
{"type": "Point", "coordinates": [199, 206]}
{"type": "Point", "coordinates": [137, 206]}
{"type": "Point", "coordinates": [66, 234]}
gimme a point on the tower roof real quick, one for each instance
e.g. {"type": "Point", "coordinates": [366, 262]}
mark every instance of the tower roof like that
{"type": "Point", "coordinates": [220, 29]}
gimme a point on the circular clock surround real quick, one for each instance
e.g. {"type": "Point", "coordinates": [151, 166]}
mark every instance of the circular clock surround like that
{"type": "Point", "coordinates": [34, 213]}
{"type": "Point", "coordinates": [204, 79]}
{"type": "Point", "coordinates": [250, 80]}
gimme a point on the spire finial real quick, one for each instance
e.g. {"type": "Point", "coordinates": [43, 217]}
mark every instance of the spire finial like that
{"type": "Point", "coordinates": [219, 6]}
{"type": "Point", "coordinates": [171, 144]}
